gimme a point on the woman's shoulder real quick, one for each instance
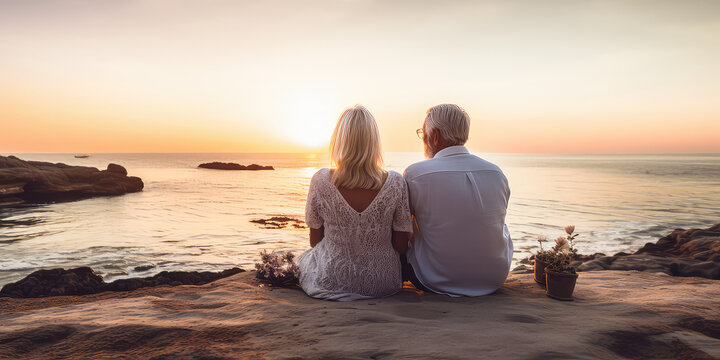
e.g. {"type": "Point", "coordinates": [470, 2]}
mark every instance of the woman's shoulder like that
{"type": "Point", "coordinates": [394, 179]}
{"type": "Point", "coordinates": [319, 178]}
{"type": "Point", "coordinates": [321, 174]}
{"type": "Point", "coordinates": [394, 176]}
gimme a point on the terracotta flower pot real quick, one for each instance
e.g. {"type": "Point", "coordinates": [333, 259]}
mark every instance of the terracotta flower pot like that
{"type": "Point", "coordinates": [539, 274]}
{"type": "Point", "coordinates": [560, 285]}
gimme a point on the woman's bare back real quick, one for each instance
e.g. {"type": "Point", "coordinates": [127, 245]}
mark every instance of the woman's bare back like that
{"type": "Point", "coordinates": [360, 199]}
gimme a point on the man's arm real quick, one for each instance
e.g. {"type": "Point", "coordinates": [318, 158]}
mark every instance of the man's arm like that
{"type": "Point", "coordinates": [411, 205]}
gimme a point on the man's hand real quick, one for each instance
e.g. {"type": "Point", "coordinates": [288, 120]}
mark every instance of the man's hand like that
{"type": "Point", "coordinates": [416, 229]}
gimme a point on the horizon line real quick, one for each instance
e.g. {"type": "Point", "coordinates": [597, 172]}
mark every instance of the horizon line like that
{"type": "Point", "coordinates": [320, 153]}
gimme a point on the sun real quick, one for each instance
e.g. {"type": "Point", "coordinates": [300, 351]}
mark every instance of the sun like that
{"type": "Point", "coordinates": [309, 121]}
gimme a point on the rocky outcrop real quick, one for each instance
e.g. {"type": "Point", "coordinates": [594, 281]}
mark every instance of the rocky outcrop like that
{"type": "Point", "coordinates": [117, 169]}
{"type": "Point", "coordinates": [173, 278]}
{"type": "Point", "coordinates": [83, 281]}
{"type": "Point", "coordinates": [41, 182]}
{"type": "Point", "coordinates": [54, 282]}
{"type": "Point", "coordinates": [9, 192]}
{"type": "Point", "coordinates": [233, 166]}
{"type": "Point", "coordinates": [280, 222]}
{"type": "Point", "coordinates": [694, 252]}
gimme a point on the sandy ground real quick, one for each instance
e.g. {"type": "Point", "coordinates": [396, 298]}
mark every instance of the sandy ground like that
{"type": "Point", "coordinates": [617, 314]}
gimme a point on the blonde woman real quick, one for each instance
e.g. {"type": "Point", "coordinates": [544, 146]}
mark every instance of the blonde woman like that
{"type": "Point", "coordinates": [359, 218]}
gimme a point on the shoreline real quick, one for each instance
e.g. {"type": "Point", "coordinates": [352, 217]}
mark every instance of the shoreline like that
{"type": "Point", "coordinates": [685, 253]}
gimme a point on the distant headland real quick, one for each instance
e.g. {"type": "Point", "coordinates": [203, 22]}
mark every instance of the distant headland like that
{"type": "Point", "coordinates": [42, 182]}
{"type": "Point", "coordinates": [233, 166]}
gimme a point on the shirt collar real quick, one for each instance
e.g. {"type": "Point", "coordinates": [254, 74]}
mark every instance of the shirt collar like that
{"type": "Point", "coordinates": [451, 150]}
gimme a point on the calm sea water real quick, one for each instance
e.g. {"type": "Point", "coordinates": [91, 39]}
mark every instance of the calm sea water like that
{"type": "Point", "coordinates": [196, 219]}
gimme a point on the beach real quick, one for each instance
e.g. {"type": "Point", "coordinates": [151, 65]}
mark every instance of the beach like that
{"type": "Point", "coordinates": [616, 314]}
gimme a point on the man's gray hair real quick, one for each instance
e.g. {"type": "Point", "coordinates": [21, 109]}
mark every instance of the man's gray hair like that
{"type": "Point", "coordinates": [450, 120]}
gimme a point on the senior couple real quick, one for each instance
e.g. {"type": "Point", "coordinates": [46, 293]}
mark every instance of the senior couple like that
{"type": "Point", "coordinates": [441, 225]}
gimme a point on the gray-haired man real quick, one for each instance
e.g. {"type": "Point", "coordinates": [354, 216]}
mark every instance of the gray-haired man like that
{"type": "Point", "coordinates": [460, 244]}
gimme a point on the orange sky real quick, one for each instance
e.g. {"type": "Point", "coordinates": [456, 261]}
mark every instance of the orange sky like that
{"type": "Point", "coordinates": [241, 76]}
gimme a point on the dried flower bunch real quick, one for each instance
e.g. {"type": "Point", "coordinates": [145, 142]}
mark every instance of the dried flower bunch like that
{"type": "Point", "coordinates": [559, 257]}
{"type": "Point", "coordinates": [277, 268]}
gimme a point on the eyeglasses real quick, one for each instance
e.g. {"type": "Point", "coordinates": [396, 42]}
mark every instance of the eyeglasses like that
{"type": "Point", "coordinates": [419, 133]}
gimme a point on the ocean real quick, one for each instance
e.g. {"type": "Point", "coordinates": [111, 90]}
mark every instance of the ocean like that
{"type": "Point", "coordinates": [197, 219]}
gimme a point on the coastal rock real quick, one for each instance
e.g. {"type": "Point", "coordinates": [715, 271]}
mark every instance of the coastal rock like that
{"type": "Point", "coordinates": [117, 169]}
{"type": "Point", "coordinates": [694, 252]}
{"type": "Point", "coordinates": [233, 166]}
{"type": "Point", "coordinates": [143, 267]}
{"type": "Point", "coordinates": [40, 182]}
{"type": "Point", "coordinates": [55, 282]}
{"type": "Point", "coordinates": [280, 222]}
{"type": "Point", "coordinates": [10, 200]}
{"type": "Point", "coordinates": [83, 281]}
{"type": "Point", "coordinates": [11, 188]}
{"type": "Point", "coordinates": [173, 278]}
{"type": "Point", "coordinates": [8, 192]}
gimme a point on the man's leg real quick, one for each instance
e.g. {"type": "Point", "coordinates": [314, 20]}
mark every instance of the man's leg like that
{"type": "Point", "coordinates": [408, 274]}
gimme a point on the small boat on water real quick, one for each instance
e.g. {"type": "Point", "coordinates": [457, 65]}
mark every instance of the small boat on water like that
{"type": "Point", "coordinates": [82, 156]}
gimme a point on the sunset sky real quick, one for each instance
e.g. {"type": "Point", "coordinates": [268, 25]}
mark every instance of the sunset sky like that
{"type": "Point", "coordinates": [273, 76]}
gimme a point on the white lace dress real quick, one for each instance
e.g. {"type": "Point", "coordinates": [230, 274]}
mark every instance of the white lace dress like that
{"type": "Point", "coordinates": [355, 259]}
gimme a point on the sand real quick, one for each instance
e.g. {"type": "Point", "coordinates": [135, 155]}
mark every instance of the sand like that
{"type": "Point", "coordinates": [617, 314]}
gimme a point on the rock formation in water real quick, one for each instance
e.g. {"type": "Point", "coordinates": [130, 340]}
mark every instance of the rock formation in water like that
{"type": "Point", "coordinates": [117, 169]}
{"type": "Point", "coordinates": [41, 182]}
{"type": "Point", "coordinates": [233, 166]}
{"type": "Point", "coordinates": [9, 192]}
{"type": "Point", "coordinates": [280, 222]}
{"type": "Point", "coordinates": [83, 281]}
{"type": "Point", "coordinates": [694, 252]}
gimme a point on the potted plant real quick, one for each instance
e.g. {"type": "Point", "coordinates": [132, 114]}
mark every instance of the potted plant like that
{"type": "Point", "coordinates": [542, 259]}
{"type": "Point", "coordinates": [560, 276]}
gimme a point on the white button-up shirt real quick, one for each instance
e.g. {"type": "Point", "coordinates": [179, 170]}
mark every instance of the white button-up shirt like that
{"type": "Point", "coordinates": [461, 245]}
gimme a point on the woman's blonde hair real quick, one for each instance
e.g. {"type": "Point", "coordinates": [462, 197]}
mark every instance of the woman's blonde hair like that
{"type": "Point", "coordinates": [355, 151]}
